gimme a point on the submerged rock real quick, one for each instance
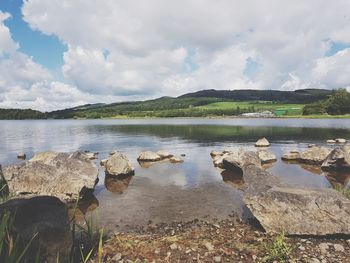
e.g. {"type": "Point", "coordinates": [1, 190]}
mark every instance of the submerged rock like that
{"type": "Point", "coordinates": [48, 217]}
{"type": "Point", "coordinates": [64, 175]}
{"type": "Point", "coordinates": [301, 211]}
{"type": "Point", "coordinates": [337, 160]}
{"type": "Point", "coordinates": [262, 143]}
{"type": "Point", "coordinates": [266, 156]}
{"type": "Point", "coordinates": [314, 155]}
{"type": "Point", "coordinates": [148, 156]}
{"type": "Point", "coordinates": [119, 184]}
{"type": "Point", "coordinates": [118, 164]}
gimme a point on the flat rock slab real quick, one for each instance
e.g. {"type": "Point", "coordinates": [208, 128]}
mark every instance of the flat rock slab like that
{"type": "Point", "coordinates": [301, 211]}
{"type": "Point", "coordinates": [66, 176]}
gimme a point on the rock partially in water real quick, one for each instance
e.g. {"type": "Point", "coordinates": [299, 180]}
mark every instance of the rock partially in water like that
{"type": "Point", "coordinates": [331, 141]}
{"type": "Point", "coordinates": [337, 160]}
{"type": "Point", "coordinates": [91, 156]}
{"type": "Point", "coordinates": [21, 156]}
{"type": "Point", "coordinates": [119, 184]}
{"type": "Point", "coordinates": [235, 161]}
{"type": "Point", "coordinates": [148, 156]}
{"type": "Point", "coordinates": [164, 154]}
{"type": "Point", "coordinates": [48, 217]}
{"type": "Point", "coordinates": [263, 142]}
{"type": "Point", "coordinates": [103, 162]}
{"type": "Point", "coordinates": [63, 175]}
{"type": "Point", "coordinates": [175, 159]}
{"type": "Point", "coordinates": [314, 155]}
{"type": "Point", "coordinates": [340, 140]}
{"type": "Point", "coordinates": [215, 153]}
{"type": "Point", "coordinates": [266, 156]}
{"type": "Point", "coordinates": [292, 155]}
{"type": "Point", "coordinates": [118, 164]}
{"type": "Point", "coordinates": [301, 211]}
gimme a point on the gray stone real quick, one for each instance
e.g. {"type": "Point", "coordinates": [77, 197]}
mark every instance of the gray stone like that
{"type": "Point", "coordinates": [21, 156]}
{"type": "Point", "coordinates": [148, 156]}
{"type": "Point", "coordinates": [262, 143]}
{"type": "Point", "coordinates": [118, 164]}
{"type": "Point", "coordinates": [291, 156]}
{"type": "Point", "coordinates": [331, 141]}
{"type": "Point", "coordinates": [340, 140]}
{"type": "Point", "coordinates": [314, 155]}
{"type": "Point", "coordinates": [64, 175]}
{"type": "Point", "coordinates": [338, 248]}
{"type": "Point", "coordinates": [164, 154]}
{"type": "Point", "coordinates": [301, 211]}
{"type": "Point", "coordinates": [175, 159]}
{"type": "Point", "coordinates": [337, 160]}
{"type": "Point", "coordinates": [266, 156]}
{"type": "Point", "coordinates": [215, 153]}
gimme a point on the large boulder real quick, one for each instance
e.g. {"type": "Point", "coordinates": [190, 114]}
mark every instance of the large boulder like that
{"type": "Point", "coordinates": [314, 155]}
{"type": "Point", "coordinates": [148, 156]}
{"type": "Point", "coordinates": [301, 211]}
{"type": "Point", "coordinates": [45, 216]}
{"type": "Point", "coordinates": [118, 164]}
{"type": "Point", "coordinates": [66, 176]}
{"type": "Point", "coordinates": [266, 156]}
{"type": "Point", "coordinates": [262, 143]}
{"type": "Point", "coordinates": [337, 160]}
{"type": "Point", "coordinates": [236, 161]}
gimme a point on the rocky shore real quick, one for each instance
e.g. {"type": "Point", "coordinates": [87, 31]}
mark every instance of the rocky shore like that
{"type": "Point", "coordinates": [228, 240]}
{"type": "Point", "coordinates": [315, 221]}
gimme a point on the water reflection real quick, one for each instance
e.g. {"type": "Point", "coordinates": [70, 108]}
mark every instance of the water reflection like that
{"type": "Point", "coordinates": [117, 184]}
{"type": "Point", "coordinates": [234, 179]}
{"type": "Point", "coordinates": [82, 208]}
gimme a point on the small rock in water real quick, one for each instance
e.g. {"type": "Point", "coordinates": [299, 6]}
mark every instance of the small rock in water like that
{"type": "Point", "coordinates": [310, 145]}
{"type": "Point", "coordinates": [103, 162]}
{"type": "Point", "coordinates": [339, 248]}
{"type": "Point", "coordinates": [183, 155]}
{"type": "Point", "coordinates": [340, 140]}
{"type": "Point", "coordinates": [331, 141]}
{"type": "Point", "coordinates": [209, 246]}
{"type": "Point", "coordinates": [21, 156]}
{"type": "Point", "coordinates": [164, 154]}
{"type": "Point", "coordinates": [176, 160]}
{"type": "Point", "coordinates": [262, 143]}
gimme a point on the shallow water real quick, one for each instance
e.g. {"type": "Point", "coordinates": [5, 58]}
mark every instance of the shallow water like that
{"type": "Point", "coordinates": [173, 192]}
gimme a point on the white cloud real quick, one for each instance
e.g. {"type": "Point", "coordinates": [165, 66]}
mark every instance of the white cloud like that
{"type": "Point", "coordinates": [157, 47]}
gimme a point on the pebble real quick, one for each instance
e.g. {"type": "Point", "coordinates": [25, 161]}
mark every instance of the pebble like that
{"type": "Point", "coordinates": [301, 248]}
{"type": "Point", "coordinates": [217, 259]}
{"type": "Point", "coordinates": [312, 260]}
{"type": "Point", "coordinates": [323, 248]}
{"type": "Point", "coordinates": [209, 246]}
{"type": "Point", "coordinates": [157, 251]}
{"type": "Point", "coordinates": [117, 257]}
{"type": "Point", "coordinates": [339, 248]}
{"type": "Point", "coordinates": [173, 246]}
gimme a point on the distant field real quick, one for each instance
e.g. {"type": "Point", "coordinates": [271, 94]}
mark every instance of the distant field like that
{"type": "Point", "coordinates": [278, 108]}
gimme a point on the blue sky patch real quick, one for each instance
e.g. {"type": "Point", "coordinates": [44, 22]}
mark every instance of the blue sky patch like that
{"type": "Point", "coordinates": [336, 47]}
{"type": "Point", "coordinates": [45, 50]}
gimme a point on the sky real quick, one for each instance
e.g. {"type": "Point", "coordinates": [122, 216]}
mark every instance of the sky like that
{"type": "Point", "coordinates": [62, 53]}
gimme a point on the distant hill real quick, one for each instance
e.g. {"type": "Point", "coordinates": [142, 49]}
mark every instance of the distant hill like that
{"type": "Point", "coordinates": [187, 105]}
{"type": "Point", "coordinates": [297, 96]}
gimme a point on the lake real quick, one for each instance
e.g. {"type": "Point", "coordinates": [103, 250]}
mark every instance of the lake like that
{"type": "Point", "coordinates": [173, 192]}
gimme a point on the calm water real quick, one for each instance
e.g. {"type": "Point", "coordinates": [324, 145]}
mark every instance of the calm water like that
{"type": "Point", "coordinates": [164, 191]}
